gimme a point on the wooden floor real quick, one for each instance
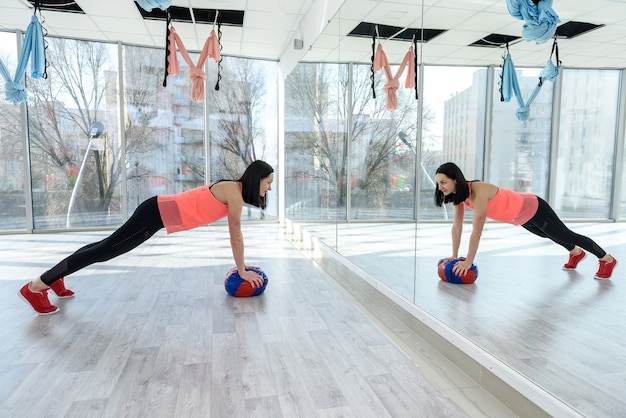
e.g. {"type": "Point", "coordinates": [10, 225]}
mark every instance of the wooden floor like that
{"type": "Point", "coordinates": [563, 330]}
{"type": "Point", "coordinates": [153, 334]}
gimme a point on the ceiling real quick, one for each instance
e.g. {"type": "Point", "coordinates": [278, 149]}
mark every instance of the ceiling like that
{"type": "Point", "coordinates": [270, 27]}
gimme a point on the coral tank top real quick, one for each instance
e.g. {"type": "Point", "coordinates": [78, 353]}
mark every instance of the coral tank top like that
{"type": "Point", "coordinates": [190, 209]}
{"type": "Point", "coordinates": [508, 206]}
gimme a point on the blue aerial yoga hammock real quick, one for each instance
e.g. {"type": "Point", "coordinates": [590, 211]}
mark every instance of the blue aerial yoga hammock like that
{"type": "Point", "coordinates": [540, 18]}
{"type": "Point", "coordinates": [33, 47]}
{"type": "Point", "coordinates": [510, 85]}
{"type": "Point", "coordinates": [148, 5]}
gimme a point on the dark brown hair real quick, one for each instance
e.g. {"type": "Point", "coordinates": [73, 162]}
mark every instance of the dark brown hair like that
{"type": "Point", "coordinates": [250, 181]}
{"type": "Point", "coordinates": [453, 172]}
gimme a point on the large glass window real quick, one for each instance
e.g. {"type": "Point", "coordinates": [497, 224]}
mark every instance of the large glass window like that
{"type": "Point", "coordinates": [622, 191]}
{"type": "Point", "coordinates": [453, 128]}
{"type": "Point", "coordinates": [365, 170]}
{"type": "Point", "coordinates": [164, 129]}
{"type": "Point", "coordinates": [520, 151]}
{"type": "Point", "coordinates": [315, 162]}
{"type": "Point", "coordinates": [243, 122]}
{"type": "Point", "coordinates": [12, 202]}
{"type": "Point", "coordinates": [74, 143]}
{"type": "Point", "coordinates": [382, 149]}
{"type": "Point", "coordinates": [584, 171]}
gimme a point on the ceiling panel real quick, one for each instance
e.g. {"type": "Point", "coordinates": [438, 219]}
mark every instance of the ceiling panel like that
{"type": "Point", "coordinates": [111, 8]}
{"type": "Point", "coordinates": [262, 20]}
{"type": "Point", "coordinates": [392, 15]}
{"type": "Point", "coordinates": [269, 27]}
{"type": "Point", "coordinates": [444, 18]}
{"type": "Point", "coordinates": [357, 9]}
{"type": "Point", "coordinates": [483, 21]}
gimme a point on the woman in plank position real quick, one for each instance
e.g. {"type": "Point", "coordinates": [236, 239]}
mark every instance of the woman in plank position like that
{"type": "Point", "coordinates": [178, 212]}
{"type": "Point", "coordinates": [504, 205]}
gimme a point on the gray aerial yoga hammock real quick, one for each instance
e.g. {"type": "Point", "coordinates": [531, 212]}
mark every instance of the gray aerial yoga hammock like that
{"type": "Point", "coordinates": [510, 85]}
{"type": "Point", "coordinates": [33, 46]}
{"type": "Point", "coordinates": [540, 18]}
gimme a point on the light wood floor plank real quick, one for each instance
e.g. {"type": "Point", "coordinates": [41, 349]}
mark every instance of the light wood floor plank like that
{"type": "Point", "coordinates": [51, 404]}
{"type": "Point", "coordinates": [127, 397]}
{"type": "Point", "coordinates": [421, 390]}
{"type": "Point", "coordinates": [164, 384]}
{"type": "Point", "coordinates": [319, 381]}
{"type": "Point", "coordinates": [359, 395]}
{"type": "Point", "coordinates": [199, 338]}
{"type": "Point", "coordinates": [295, 400]}
{"type": "Point", "coordinates": [263, 407]}
{"type": "Point", "coordinates": [256, 373]}
{"type": "Point", "coordinates": [92, 409]}
{"type": "Point", "coordinates": [106, 373]}
{"type": "Point", "coordinates": [348, 334]}
{"type": "Point", "coordinates": [227, 391]}
{"type": "Point", "coordinates": [194, 394]}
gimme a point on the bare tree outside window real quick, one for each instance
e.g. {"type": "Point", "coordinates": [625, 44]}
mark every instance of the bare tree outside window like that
{"type": "Point", "coordinates": [319, 102]}
{"type": "Point", "coordinates": [236, 110]}
{"type": "Point", "coordinates": [81, 90]}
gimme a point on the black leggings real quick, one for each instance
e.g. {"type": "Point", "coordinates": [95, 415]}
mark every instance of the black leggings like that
{"type": "Point", "coordinates": [145, 222]}
{"type": "Point", "coordinates": [547, 224]}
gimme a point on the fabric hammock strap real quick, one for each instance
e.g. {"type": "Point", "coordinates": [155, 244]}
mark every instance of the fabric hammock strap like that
{"type": "Point", "coordinates": [148, 5]}
{"type": "Point", "coordinates": [555, 50]}
{"type": "Point", "coordinates": [392, 85]}
{"type": "Point", "coordinates": [198, 77]}
{"type": "Point", "coordinates": [33, 48]}
{"type": "Point", "coordinates": [219, 57]}
{"type": "Point", "coordinates": [168, 21]}
{"type": "Point", "coordinates": [372, 72]}
{"type": "Point", "coordinates": [510, 84]}
{"type": "Point", "coordinates": [540, 19]}
{"type": "Point", "coordinates": [415, 65]}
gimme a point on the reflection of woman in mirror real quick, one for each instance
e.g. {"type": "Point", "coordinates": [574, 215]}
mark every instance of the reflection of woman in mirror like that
{"type": "Point", "coordinates": [176, 212]}
{"type": "Point", "coordinates": [503, 205]}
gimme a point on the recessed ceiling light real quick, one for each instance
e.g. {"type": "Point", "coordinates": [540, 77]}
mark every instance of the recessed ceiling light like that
{"type": "Point", "coordinates": [395, 14]}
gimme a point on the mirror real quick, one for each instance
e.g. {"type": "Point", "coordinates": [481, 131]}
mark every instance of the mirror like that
{"type": "Point", "coordinates": [363, 177]}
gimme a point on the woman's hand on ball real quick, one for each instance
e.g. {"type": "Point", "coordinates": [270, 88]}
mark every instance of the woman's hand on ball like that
{"type": "Point", "coordinates": [253, 278]}
{"type": "Point", "coordinates": [445, 259]}
{"type": "Point", "coordinates": [461, 267]}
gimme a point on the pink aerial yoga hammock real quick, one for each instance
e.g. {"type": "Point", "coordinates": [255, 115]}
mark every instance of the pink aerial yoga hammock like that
{"type": "Point", "coordinates": [392, 84]}
{"type": "Point", "coordinates": [196, 73]}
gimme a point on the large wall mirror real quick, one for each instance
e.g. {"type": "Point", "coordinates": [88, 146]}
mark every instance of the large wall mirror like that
{"type": "Point", "coordinates": [360, 173]}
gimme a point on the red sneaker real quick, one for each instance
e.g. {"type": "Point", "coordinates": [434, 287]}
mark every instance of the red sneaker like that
{"type": "Point", "coordinates": [58, 287]}
{"type": "Point", "coordinates": [574, 260]}
{"type": "Point", "coordinates": [605, 270]}
{"type": "Point", "coordinates": [38, 300]}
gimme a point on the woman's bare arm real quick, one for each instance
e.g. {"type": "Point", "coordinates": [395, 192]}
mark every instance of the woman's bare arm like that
{"type": "Point", "coordinates": [231, 193]}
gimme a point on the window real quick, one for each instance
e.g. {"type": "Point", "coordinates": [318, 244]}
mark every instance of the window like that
{"type": "Point", "coordinates": [315, 141]}
{"type": "Point", "coordinates": [75, 167]}
{"type": "Point", "coordinates": [520, 152]}
{"type": "Point", "coordinates": [585, 166]}
{"type": "Point", "coordinates": [12, 179]}
{"type": "Point", "coordinates": [453, 128]}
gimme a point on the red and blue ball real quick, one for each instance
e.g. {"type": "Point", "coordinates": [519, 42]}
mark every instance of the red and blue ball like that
{"type": "Point", "coordinates": [444, 269]}
{"type": "Point", "coordinates": [238, 287]}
